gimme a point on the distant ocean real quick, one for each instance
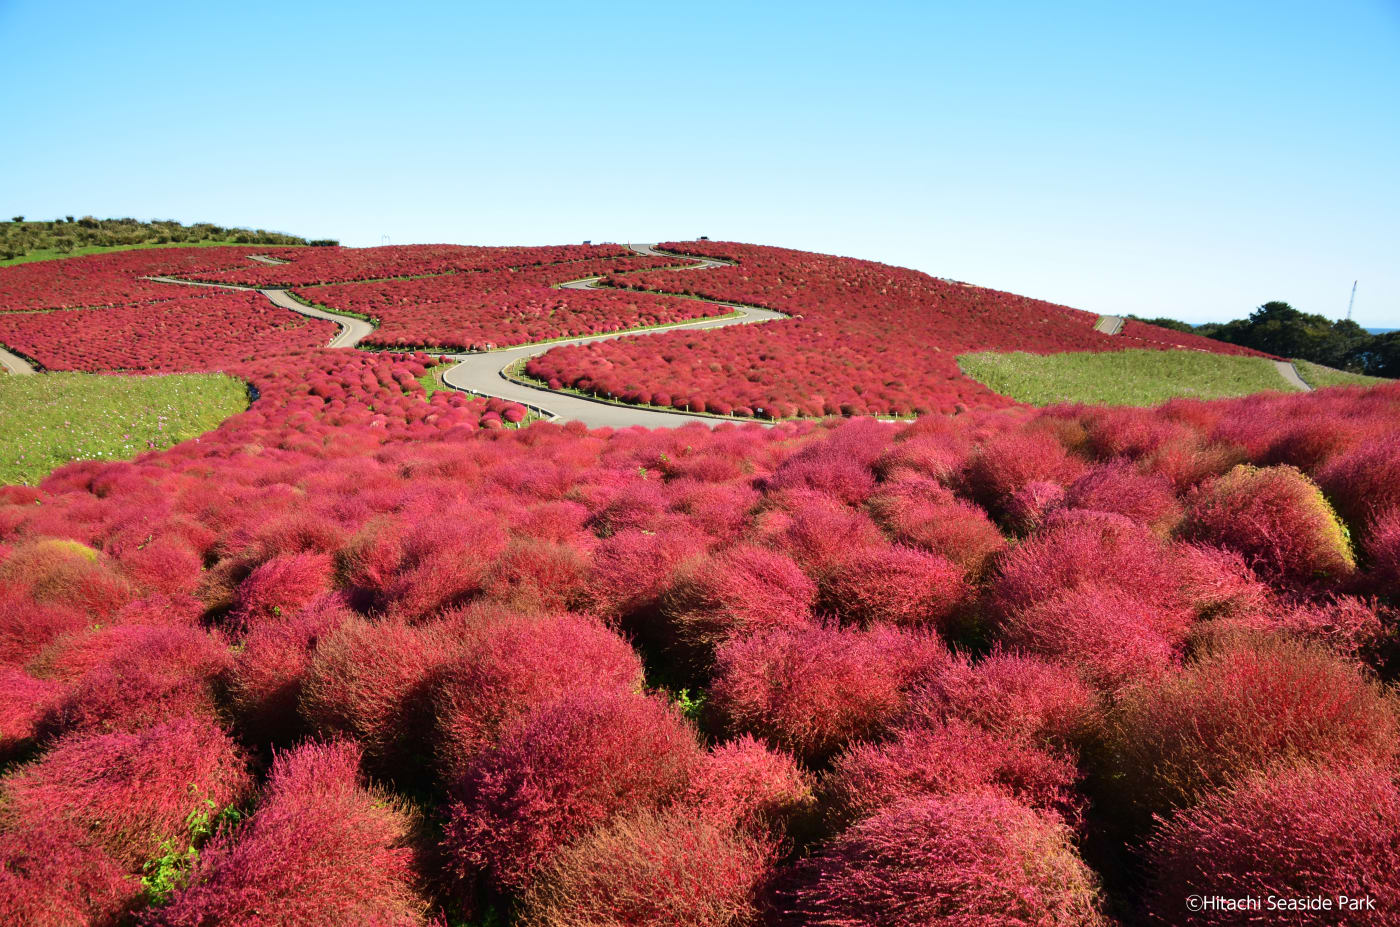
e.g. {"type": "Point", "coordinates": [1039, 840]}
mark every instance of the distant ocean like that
{"type": "Point", "coordinates": [1381, 331]}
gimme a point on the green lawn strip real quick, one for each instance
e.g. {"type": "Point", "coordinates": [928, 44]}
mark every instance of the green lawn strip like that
{"type": "Point", "coordinates": [50, 419]}
{"type": "Point", "coordinates": [53, 254]}
{"type": "Point", "coordinates": [1126, 378]}
{"type": "Point", "coordinates": [1319, 377]}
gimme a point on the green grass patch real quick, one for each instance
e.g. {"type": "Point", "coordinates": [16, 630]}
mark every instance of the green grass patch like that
{"type": "Point", "coordinates": [1318, 376]}
{"type": "Point", "coordinates": [1120, 378]}
{"type": "Point", "coordinates": [53, 254]}
{"type": "Point", "coordinates": [50, 419]}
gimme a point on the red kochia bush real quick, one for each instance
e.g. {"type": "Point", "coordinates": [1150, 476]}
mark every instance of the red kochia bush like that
{"type": "Point", "coordinates": [1383, 545]}
{"type": "Point", "coordinates": [142, 675]}
{"type": "Point", "coordinates": [1008, 462]}
{"type": "Point", "coordinates": [652, 869]}
{"type": "Point", "coordinates": [321, 851]}
{"type": "Point", "coordinates": [1014, 695]}
{"type": "Point", "coordinates": [943, 759]}
{"type": "Point", "coordinates": [510, 664]}
{"type": "Point", "coordinates": [1276, 519]}
{"type": "Point", "coordinates": [572, 765]}
{"type": "Point", "coordinates": [26, 627]}
{"type": "Point", "coordinates": [1299, 832]}
{"type": "Point", "coordinates": [1109, 637]}
{"type": "Point", "coordinates": [1096, 549]}
{"type": "Point", "coordinates": [748, 785]}
{"type": "Point", "coordinates": [897, 586]}
{"type": "Point", "coordinates": [265, 685]}
{"type": "Point", "coordinates": [1364, 482]}
{"type": "Point", "coordinates": [66, 573]}
{"type": "Point", "coordinates": [1245, 705]}
{"type": "Point", "coordinates": [373, 682]}
{"type": "Point", "coordinates": [975, 860]}
{"type": "Point", "coordinates": [132, 794]}
{"type": "Point", "coordinates": [1147, 498]}
{"type": "Point", "coordinates": [281, 586]}
{"type": "Point", "coordinates": [742, 589]}
{"type": "Point", "coordinates": [24, 701]}
{"type": "Point", "coordinates": [50, 877]}
{"type": "Point", "coordinates": [813, 690]}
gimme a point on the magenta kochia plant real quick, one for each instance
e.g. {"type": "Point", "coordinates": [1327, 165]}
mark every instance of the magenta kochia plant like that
{"type": "Point", "coordinates": [572, 765]}
{"type": "Point", "coordinates": [320, 850]}
{"type": "Point", "coordinates": [978, 859]}
{"type": "Point", "coordinates": [1293, 832]}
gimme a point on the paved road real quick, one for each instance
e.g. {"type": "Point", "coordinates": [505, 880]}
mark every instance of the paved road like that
{"type": "Point", "coordinates": [352, 330]}
{"type": "Point", "coordinates": [482, 374]}
{"type": "Point", "coordinates": [264, 259]}
{"type": "Point", "coordinates": [1290, 373]}
{"type": "Point", "coordinates": [1109, 324]}
{"type": "Point", "coordinates": [15, 364]}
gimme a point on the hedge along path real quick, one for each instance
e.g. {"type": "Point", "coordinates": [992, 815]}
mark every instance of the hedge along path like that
{"type": "Point", "coordinates": [485, 373]}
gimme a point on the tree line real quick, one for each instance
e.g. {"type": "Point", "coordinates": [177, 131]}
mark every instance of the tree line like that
{"type": "Point", "coordinates": [1277, 328]}
{"type": "Point", "coordinates": [19, 236]}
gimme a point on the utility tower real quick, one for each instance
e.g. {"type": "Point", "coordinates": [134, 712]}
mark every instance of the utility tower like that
{"type": "Point", "coordinates": [1351, 302]}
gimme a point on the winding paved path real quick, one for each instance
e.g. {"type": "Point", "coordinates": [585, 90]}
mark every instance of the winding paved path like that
{"type": "Point", "coordinates": [1109, 324]}
{"type": "Point", "coordinates": [484, 373]}
{"type": "Point", "coordinates": [15, 364]}
{"type": "Point", "coordinates": [1290, 373]}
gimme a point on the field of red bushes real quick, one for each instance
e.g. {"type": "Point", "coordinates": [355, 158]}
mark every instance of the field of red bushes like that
{"type": "Point", "coordinates": [113, 278]}
{"type": "Point", "coordinates": [313, 266]}
{"type": "Point", "coordinates": [365, 655]}
{"type": "Point", "coordinates": [865, 338]}
{"type": "Point", "coordinates": [488, 309]}
{"type": "Point", "coordinates": [188, 329]}
{"type": "Point", "coordinates": [361, 656]}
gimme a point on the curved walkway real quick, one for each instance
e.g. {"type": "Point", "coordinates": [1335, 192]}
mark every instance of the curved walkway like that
{"type": "Point", "coordinates": [16, 364]}
{"type": "Point", "coordinates": [484, 373]}
{"type": "Point", "coordinates": [352, 330]}
{"type": "Point", "coordinates": [1290, 373]}
{"type": "Point", "coordinates": [1109, 324]}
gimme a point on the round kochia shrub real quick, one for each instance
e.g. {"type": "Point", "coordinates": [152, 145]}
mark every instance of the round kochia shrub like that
{"type": "Point", "coordinates": [266, 683]}
{"type": "Point", "coordinates": [751, 786]}
{"type": "Point", "coordinates": [944, 759]}
{"type": "Point", "coordinates": [140, 675]}
{"type": "Point", "coordinates": [975, 860]}
{"type": "Point", "coordinates": [321, 850]}
{"type": "Point", "coordinates": [1014, 695]}
{"type": "Point", "coordinates": [1094, 549]}
{"type": "Point", "coordinates": [1008, 462]}
{"type": "Point", "coordinates": [1244, 706]}
{"type": "Point", "coordinates": [51, 877]}
{"type": "Point", "coordinates": [62, 572]}
{"type": "Point", "coordinates": [132, 794]}
{"type": "Point", "coordinates": [1365, 482]}
{"type": "Point", "coordinates": [1296, 832]}
{"type": "Point", "coordinates": [742, 589]}
{"type": "Point", "coordinates": [511, 664]}
{"type": "Point", "coordinates": [373, 682]}
{"type": "Point", "coordinates": [895, 586]}
{"type": "Point", "coordinates": [651, 869]}
{"type": "Point", "coordinates": [1276, 519]}
{"type": "Point", "coordinates": [572, 765]}
{"type": "Point", "coordinates": [813, 690]}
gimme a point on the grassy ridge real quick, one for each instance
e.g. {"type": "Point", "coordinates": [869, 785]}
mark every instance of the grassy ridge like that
{"type": "Point", "coordinates": [52, 254]}
{"type": "Point", "coordinates": [54, 418]}
{"type": "Point", "coordinates": [1318, 376]}
{"type": "Point", "coordinates": [1126, 378]}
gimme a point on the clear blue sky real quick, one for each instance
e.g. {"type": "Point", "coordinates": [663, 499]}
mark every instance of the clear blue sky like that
{"type": "Point", "coordinates": [1189, 159]}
